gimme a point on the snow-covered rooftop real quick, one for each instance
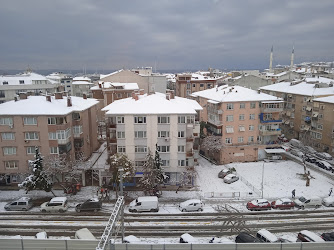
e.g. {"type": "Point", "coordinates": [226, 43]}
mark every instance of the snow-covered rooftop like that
{"type": "Point", "coordinates": [152, 104]}
{"type": "Point", "coordinates": [27, 77]}
{"type": "Point", "coordinates": [113, 73]}
{"type": "Point", "coordinates": [38, 105]}
{"type": "Point", "coordinates": [125, 85]}
{"type": "Point", "coordinates": [234, 94]}
{"type": "Point", "coordinates": [81, 83]}
{"type": "Point", "coordinates": [81, 78]}
{"type": "Point", "coordinates": [328, 99]}
{"type": "Point", "coordinates": [306, 88]}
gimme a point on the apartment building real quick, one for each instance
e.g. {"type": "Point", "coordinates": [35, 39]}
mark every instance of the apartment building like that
{"type": "Point", "coordinates": [64, 126]}
{"type": "Point", "coordinates": [322, 124]}
{"type": "Point", "coordinates": [299, 112]}
{"type": "Point", "coordinates": [246, 121]}
{"type": "Point", "coordinates": [138, 123]}
{"type": "Point", "coordinates": [186, 84]}
{"type": "Point", "coordinates": [12, 85]}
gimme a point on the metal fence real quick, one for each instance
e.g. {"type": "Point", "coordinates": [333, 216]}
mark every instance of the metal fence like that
{"type": "Point", "coordinates": [61, 244]}
{"type": "Point", "coordinates": [234, 195]}
{"type": "Point", "coordinates": [254, 189]}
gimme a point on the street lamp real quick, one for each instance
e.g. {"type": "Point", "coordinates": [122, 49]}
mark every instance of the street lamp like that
{"type": "Point", "coordinates": [121, 170]}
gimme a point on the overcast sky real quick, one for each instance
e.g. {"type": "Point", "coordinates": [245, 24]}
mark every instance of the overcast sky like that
{"type": "Point", "coordinates": [165, 34]}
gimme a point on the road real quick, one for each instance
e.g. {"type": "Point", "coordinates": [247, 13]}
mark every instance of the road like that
{"type": "Point", "coordinates": [199, 224]}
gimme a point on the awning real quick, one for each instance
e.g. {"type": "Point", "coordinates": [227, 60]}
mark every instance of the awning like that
{"type": "Point", "coordinates": [315, 114]}
{"type": "Point", "coordinates": [229, 130]}
{"type": "Point", "coordinates": [308, 108]}
{"type": "Point", "coordinates": [274, 150]}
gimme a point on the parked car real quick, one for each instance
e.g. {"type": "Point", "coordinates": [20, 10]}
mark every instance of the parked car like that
{"type": "Point", "coordinates": [309, 150]}
{"type": "Point", "coordinates": [41, 235]}
{"type": "Point", "coordinates": [57, 204]}
{"type": "Point", "coordinates": [258, 204]}
{"type": "Point", "coordinates": [308, 236]}
{"type": "Point", "coordinates": [297, 153]}
{"type": "Point", "coordinates": [296, 143]}
{"type": "Point", "coordinates": [144, 203]}
{"type": "Point", "coordinates": [246, 238]}
{"type": "Point", "coordinates": [328, 236]}
{"type": "Point", "coordinates": [131, 239]}
{"type": "Point", "coordinates": [224, 172]}
{"type": "Point", "coordinates": [191, 205]}
{"type": "Point", "coordinates": [230, 178]}
{"type": "Point", "coordinates": [328, 201]}
{"type": "Point", "coordinates": [93, 204]}
{"type": "Point", "coordinates": [223, 240]}
{"type": "Point", "coordinates": [265, 236]}
{"type": "Point", "coordinates": [84, 234]}
{"type": "Point", "coordinates": [326, 165]}
{"type": "Point", "coordinates": [187, 238]}
{"type": "Point", "coordinates": [22, 204]}
{"type": "Point", "coordinates": [283, 203]}
{"type": "Point", "coordinates": [324, 156]}
{"type": "Point", "coordinates": [304, 202]}
{"type": "Point", "coordinates": [310, 159]}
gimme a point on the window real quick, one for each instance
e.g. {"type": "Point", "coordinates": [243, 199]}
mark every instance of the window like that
{"type": "Point", "coordinates": [320, 126]}
{"type": "Point", "coordinates": [229, 118]}
{"type": "Point", "coordinates": [119, 96]}
{"type": "Point", "coordinates": [241, 117]}
{"type": "Point", "coordinates": [228, 140]}
{"type": "Point", "coordinates": [201, 85]}
{"type": "Point", "coordinates": [181, 119]}
{"type": "Point", "coordinates": [121, 149]}
{"type": "Point", "coordinates": [181, 163]}
{"type": "Point", "coordinates": [77, 130]}
{"type": "Point", "coordinates": [165, 163]}
{"type": "Point", "coordinates": [318, 135]}
{"type": "Point", "coordinates": [54, 150]}
{"type": "Point", "coordinates": [2, 93]}
{"type": "Point", "coordinates": [140, 134]}
{"type": "Point", "coordinates": [304, 108]}
{"type": "Point", "coordinates": [229, 106]}
{"type": "Point", "coordinates": [8, 136]}
{"type": "Point", "coordinates": [9, 150]}
{"type": "Point", "coordinates": [209, 85]}
{"type": "Point", "coordinates": [162, 134]}
{"type": "Point", "coordinates": [5, 83]}
{"type": "Point", "coordinates": [21, 81]}
{"type": "Point", "coordinates": [180, 149]}
{"type": "Point", "coordinates": [163, 119]}
{"type": "Point", "coordinates": [253, 105]}
{"type": "Point", "coordinates": [163, 149]}
{"type": "Point", "coordinates": [252, 117]}
{"type": "Point", "coordinates": [57, 120]}
{"type": "Point", "coordinates": [321, 116]}
{"type": "Point", "coordinates": [188, 85]}
{"type": "Point", "coordinates": [52, 136]}
{"type": "Point", "coordinates": [251, 139]}
{"type": "Point", "coordinates": [190, 119]}
{"type": "Point", "coordinates": [76, 116]}
{"type": "Point", "coordinates": [30, 150]}
{"type": "Point", "coordinates": [140, 119]}
{"type": "Point", "coordinates": [240, 139]}
{"type": "Point", "coordinates": [242, 105]}
{"type": "Point", "coordinates": [251, 127]}
{"type": "Point", "coordinates": [31, 136]}
{"type": "Point", "coordinates": [30, 121]}
{"type": "Point", "coordinates": [11, 164]}
{"type": "Point", "coordinates": [180, 134]}
{"type": "Point", "coordinates": [120, 134]}
{"type": "Point", "coordinates": [229, 129]}
{"type": "Point", "coordinates": [188, 92]}
{"type": "Point", "coordinates": [6, 121]}
{"type": "Point", "coordinates": [120, 119]}
{"type": "Point", "coordinates": [63, 134]}
{"type": "Point", "coordinates": [140, 149]}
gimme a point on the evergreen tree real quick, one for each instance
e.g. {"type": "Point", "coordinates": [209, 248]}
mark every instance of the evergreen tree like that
{"type": "Point", "coordinates": [160, 175]}
{"type": "Point", "coordinates": [148, 181]}
{"type": "Point", "coordinates": [39, 179]}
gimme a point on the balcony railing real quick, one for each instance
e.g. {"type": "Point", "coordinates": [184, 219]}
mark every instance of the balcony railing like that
{"type": "Point", "coordinates": [270, 132]}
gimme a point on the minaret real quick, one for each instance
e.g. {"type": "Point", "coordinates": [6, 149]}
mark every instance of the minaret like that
{"type": "Point", "coordinates": [271, 59]}
{"type": "Point", "coordinates": [292, 57]}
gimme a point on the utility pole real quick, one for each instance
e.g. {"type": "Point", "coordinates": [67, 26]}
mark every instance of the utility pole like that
{"type": "Point", "coordinates": [262, 178]}
{"type": "Point", "coordinates": [121, 170]}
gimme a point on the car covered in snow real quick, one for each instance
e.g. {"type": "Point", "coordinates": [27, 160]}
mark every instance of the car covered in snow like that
{"type": "Point", "coordinates": [283, 203]}
{"type": "Point", "coordinates": [297, 153]}
{"type": "Point", "coordinates": [265, 236]}
{"type": "Point", "coordinates": [191, 205]}
{"type": "Point", "coordinates": [22, 204]}
{"type": "Point", "coordinates": [187, 238]}
{"type": "Point", "coordinates": [310, 159]}
{"type": "Point", "coordinates": [328, 201]}
{"type": "Point", "coordinates": [309, 150]}
{"type": "Point", "coordinates": [230, 178]}
{"type": "Point", "coordinates": [131, 239]}
{"type": "Point", "coordinates": [258, 204]}
{"type": "Point", "coordinates": [324, 156]}
{"type": "Point", "coordinates": [325, 165]}
{"type": "Point", "coordinates": [224, 172]}
{"type": "Point", "coordinates": [308, 236]}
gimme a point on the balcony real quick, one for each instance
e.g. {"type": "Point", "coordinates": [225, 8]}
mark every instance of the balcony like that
{"type": "Point", "coordinates": [270, 132]}
{"type": "Point", "coordinates": [111, 125]}
{"type": "Point", "coordinates": [63, 141]}
{"type": "Point", "coordinates": [113, 140]}
{"type": "Point", "coordinates": [215, 122]}
{"type": "Point", "coordinates": [189, 154]}
{"type": "Point", "coordinates": [262, 120]}
{"type": "Point", "coordinates": [77, 135]}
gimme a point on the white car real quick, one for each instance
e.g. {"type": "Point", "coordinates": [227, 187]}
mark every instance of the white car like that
{"type": "Point", "coordinates": [57, 204]}
{"type": "Point", "coordinates": [191, 205]}
{"type": "Point", "coordinates": [230, 178]}
{"type": "Point", "coordinates": [328, 201]}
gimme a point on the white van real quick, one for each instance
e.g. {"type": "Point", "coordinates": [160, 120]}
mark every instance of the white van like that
{"type": "Point", "coordinates": [84, 234]}
{"type": "Point", "coordinates": [145, 203]}
{"type": "Point", "coordinates": [266, 236]}
{"type": "Point", "coordinates": [304, 202]}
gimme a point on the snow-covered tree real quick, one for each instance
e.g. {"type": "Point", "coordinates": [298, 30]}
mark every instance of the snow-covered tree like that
{"type": "Point", "coordinates": [118, 161]}
{"type": "Point", "coordinates": [39, 179]}
{"type": "Point", "coordinates": [212, 143]}
{"type": "Point", "coordinates": [160, 174]}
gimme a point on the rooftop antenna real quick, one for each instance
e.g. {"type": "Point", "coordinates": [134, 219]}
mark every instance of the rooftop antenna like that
{"type": "Point", "coordinates": [292, 57]}
{"type": "Point", "coordinates": [271, 59]}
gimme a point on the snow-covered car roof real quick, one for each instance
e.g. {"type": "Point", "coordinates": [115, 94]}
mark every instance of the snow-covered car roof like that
{"type": "Point", "coordinates": [229, 176]}
{"type": "Point", "coordinates": [312, 235]}
{"type": "Point", "coordinates": [188, 238]}
{"type": "Point", "coordinates": [131, 239]}
{"type": "Point", "coordinates": [271, 237]}
{"type": "Point", "coordinates": [284, 200]}
{"type": "Point", "coordinates": [191, 201]}
{"type": "Point", "coordinates": [329, 199]}
{"type": "Point", "coordinates": [256, 202]}
{"type": "Point", "coordinates": [58, 199]}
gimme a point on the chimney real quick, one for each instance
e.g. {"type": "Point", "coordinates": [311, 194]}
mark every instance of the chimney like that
{"type": "Point", "coordinates": [69, 101]}
{"type": "Point", "coordinates": [135, 96]}
{"type": "Point", "coordinates": [23, 95]}
{"type": "Point", "coordinates": [141, 91]}
{"type": "Point", "coordinates": [48, 98]}
{"type": "Point", "coordinates": [171, 92]}
{"type": "Point", "coordinates": [58, 95]}
{"type": "Point", "coordinates": [100, 86]}
{"type": "Point", "coordinates": [84, 96]}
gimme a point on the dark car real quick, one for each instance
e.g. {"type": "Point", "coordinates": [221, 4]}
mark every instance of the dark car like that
{"type": "Point", "coordinates": [328, 236]}
{"type": "Point", "coordinates": [89, 205]}
{"type": "Point", "coordinates": [246, 238]}
{"type": "Point", "coordinates": [311, 159]}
